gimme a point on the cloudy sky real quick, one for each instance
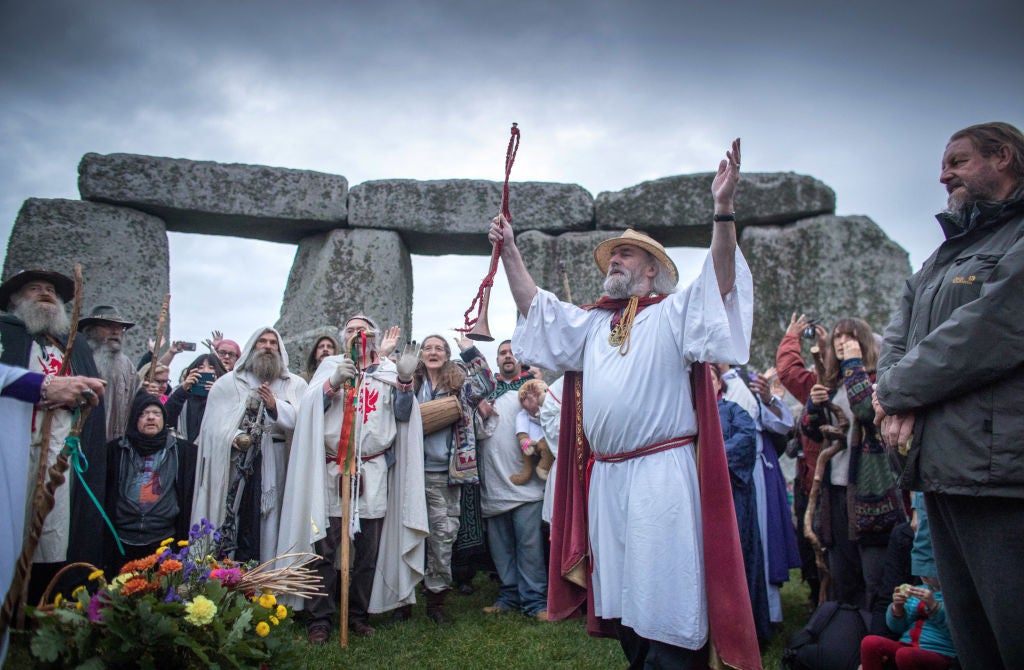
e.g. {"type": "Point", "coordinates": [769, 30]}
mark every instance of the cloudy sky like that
{"type": "Point", "coordinates": [861, 95]}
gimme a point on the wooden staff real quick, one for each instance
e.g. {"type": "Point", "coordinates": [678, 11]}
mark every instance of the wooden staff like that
{"type": "Point", "coordinates": [47, 483]}
{"type": "Point", "coordinates": [160, 323]}
{"type": "Point", "coordinates": [835, 433]}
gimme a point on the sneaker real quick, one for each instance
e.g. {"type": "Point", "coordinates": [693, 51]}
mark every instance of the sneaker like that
{"type": "Point", "coordinates": [318, 634]}
{"type": "Point", "coordinates": [466, 589]}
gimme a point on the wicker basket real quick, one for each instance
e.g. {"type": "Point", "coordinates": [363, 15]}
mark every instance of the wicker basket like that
{"type": "Point", "coordinates": [46, 602]}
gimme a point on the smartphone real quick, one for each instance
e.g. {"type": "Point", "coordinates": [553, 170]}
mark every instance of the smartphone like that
{"type": "Point", "coordinates": [199, 388]}
{"type": "Point", "coordinates": [187, 346]}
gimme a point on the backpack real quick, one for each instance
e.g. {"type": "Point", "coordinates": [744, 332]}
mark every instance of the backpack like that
{"type": "Point", "coordinates": [830, 640]}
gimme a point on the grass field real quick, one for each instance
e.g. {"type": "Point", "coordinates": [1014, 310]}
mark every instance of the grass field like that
{"type": "Point", "coordinates": [477, 640]}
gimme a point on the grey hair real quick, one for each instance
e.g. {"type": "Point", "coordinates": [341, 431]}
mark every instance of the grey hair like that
{"type": "Point", "coordinates": [662, 282]}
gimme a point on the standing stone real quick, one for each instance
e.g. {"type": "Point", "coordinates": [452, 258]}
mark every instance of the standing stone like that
{"type": "Point", "coordinates": [827, 267]}
{"type": "Point", "coordinates": [546, 256]}
{"type": "Point", "coordinates": [123, 253]}
{"type": "Point", "coordinates": [341, 273]}
{"type": "Point", "coordinates": [678, 209]}
{"type": "Point", "coordinates": [254, 201]}
{"type": "Point", "coordinates": [451, 216]}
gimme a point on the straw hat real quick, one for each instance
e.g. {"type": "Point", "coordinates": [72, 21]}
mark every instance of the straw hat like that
{"type": "Point", "coordinates": [603, 252]}
{"type": "Point", "coordinates": [62, 284]}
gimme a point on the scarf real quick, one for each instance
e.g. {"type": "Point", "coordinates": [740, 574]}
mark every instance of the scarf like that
{"type": "Point", "coordinates": [502, 387]}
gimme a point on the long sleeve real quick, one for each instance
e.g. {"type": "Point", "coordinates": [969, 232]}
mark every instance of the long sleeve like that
{"type": "Point", "coordinates": [793, 373]}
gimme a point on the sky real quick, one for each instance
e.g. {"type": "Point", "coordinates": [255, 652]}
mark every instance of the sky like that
{"type": "Point", "coordinates": [861, 95]}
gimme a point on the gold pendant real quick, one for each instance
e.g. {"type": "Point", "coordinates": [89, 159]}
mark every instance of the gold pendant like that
{"type": "Point", "coordinates": [616, 338]}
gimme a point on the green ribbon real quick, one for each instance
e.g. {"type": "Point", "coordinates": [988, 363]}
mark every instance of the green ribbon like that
{"type": "Point", "coordinates": [73, 449]}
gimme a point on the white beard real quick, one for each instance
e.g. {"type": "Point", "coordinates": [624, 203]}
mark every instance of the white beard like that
{"type": "Point", "coordinates": [621, 286]}
{"type": "Point", "coordinates": [41, 317]}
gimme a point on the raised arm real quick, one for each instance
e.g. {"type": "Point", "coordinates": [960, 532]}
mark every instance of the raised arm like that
{"type": "Point", "coordinates": [723, 235]}
{"type": "Point", "coordinates": [519, 280]}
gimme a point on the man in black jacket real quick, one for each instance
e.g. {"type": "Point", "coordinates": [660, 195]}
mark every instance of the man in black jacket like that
{"type": "Point", "coordinates": [951, 382]}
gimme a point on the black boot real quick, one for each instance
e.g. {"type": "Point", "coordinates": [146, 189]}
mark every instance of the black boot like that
{"type": "Point", "coordinates": [403, 613]}
{"type": "Point", "coordinates": [435, 608]}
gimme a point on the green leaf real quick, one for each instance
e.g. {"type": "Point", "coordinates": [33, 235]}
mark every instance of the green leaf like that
{"type": "Point", "coordinates": [48, 644]}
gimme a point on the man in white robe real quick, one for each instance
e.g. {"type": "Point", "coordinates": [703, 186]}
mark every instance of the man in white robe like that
{"type": "Point", "coordinates": [257, 400]}
{"type": "Point", "coordinates": [644, 510]}
{"type": "Point", "coordinates": [390, 517]}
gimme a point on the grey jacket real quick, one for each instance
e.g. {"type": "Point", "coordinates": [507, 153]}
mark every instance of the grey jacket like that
{"type": "Point", "coordinates": [954, 357]}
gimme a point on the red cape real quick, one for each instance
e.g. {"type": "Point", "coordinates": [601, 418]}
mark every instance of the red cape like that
{"type": "Point", "coordinates": [730, 618]}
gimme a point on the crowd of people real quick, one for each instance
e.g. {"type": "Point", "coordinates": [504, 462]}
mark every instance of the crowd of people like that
{"type": "Point", "coordinates": [615, 461]}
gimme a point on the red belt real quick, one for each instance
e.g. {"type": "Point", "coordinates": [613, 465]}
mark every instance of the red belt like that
{"type": "Point", "coordinates": [646, 451]}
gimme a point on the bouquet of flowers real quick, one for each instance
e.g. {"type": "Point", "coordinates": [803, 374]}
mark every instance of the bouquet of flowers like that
{"type": "Point", "coordinates": [181, 607]}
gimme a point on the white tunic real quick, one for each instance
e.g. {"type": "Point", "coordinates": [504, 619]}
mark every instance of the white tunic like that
{"type": "Point", "coordinates": [644, 513]}
{"type": "Point", "coordinates": [551, 420]}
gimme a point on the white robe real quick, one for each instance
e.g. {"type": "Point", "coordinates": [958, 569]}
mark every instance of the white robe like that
{"type": "Point", "coordinates": [312, 486]}
{"type": "Point", "coordinates": [16, 419]}
{"type": "Point", "coordinates": [224, 409]}
{"type": "Point", "coordinates": [644, 513]}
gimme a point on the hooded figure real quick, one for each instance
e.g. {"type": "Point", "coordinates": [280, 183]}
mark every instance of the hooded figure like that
{"type": "Point", "coordinates": [150, 476]}
{"type": "Point", "coordinates": [243, 448]}
{"type": "Point", "coordinates": [324, 345]}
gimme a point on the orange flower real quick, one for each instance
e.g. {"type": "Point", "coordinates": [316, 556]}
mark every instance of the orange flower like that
{"type": "Point", "coordinates": [138, 585]}
{"type": "Point", "coordinates": [140, 565]}
{"type": "Point", "coordinates": [168, 567]}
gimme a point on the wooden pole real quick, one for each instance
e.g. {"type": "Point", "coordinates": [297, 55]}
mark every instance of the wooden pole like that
{"type": "Point", "coordinates": [160, 323]}
{"type": "Point", "coordinates": [346, 517]}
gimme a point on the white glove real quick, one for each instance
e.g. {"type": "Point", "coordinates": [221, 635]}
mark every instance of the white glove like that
{"type": "Point", "coordinates": [407, 363]}
{"type": "Point", "coordinates": [345, 371]}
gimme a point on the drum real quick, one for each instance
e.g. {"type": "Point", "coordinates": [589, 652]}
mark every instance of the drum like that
{"type": "Point", "coordinates": [440, 413]}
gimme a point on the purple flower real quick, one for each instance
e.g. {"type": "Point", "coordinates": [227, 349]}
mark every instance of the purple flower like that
{"type": "Point", "coordinates": [97, 603]}
{"type": "Point", "coordinates": [227, 576]}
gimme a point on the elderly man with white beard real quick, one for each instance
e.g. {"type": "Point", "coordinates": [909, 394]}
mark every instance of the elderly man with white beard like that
{"type": "Point", "coordinates": [656, 514]}
{"type": "Point", "coordinates": [104, 330]}
{"type": "Point", "coordinates": [33, 335]}
{"type": "Point", "coordinates": [243, 448]}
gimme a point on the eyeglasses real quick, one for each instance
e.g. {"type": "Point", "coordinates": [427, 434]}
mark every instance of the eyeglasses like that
{"type": "Point", "coordinates": [227, 354]}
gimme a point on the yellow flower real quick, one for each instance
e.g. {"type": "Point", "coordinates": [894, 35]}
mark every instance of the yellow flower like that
{"type": "Point", "coordinates": [268, 600]}
{"type": "Point", "coordinates": [182, 543]}
{"type": "Point", "coordinates": [59, 600]}
{"type": "Point", "coordinates": [78, 605]}
{"type": "Point", "coordinates": [78, 589]}
{"type": "Point", "coordinates": [120, 581]}
{"type": "Point", "coordinates": [200, 611]}
{"type": "Point", "coordinates": [95, 574]}
{"type": "Point", "coordinates": [273, 620]}
{"type": "Point", "coordinates": [282, 612]}
{"type": "Point", "coordinates": [262, 629]}
{"type": "Point", "coordinates": [166, 542]}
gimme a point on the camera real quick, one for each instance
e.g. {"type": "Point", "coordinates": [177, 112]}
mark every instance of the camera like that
{"type": "Point", "coordinates": [808, 332]}
{"type": "Point", "coordinates": [187, 346]}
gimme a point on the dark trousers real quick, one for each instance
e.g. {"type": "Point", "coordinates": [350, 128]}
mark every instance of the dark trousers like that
{"type": "Point", "coordinates": [979, 550]}
{"type": "Point", "coordinates": [644, 654]}
{"type": "Point", "coordinates": [364, 563]}
{"type": "Point", "coordinates": [843, 556]}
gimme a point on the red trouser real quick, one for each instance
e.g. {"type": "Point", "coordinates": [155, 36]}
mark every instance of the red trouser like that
{"type": "Point", "coordinates": [875, 650]}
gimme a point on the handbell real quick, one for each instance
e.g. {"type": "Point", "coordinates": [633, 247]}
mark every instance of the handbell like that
{"type": "Point", "coordinates": [481, 332]}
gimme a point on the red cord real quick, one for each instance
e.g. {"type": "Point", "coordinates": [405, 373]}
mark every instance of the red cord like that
{"type": "Point", "coordinates": [488, 281]}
